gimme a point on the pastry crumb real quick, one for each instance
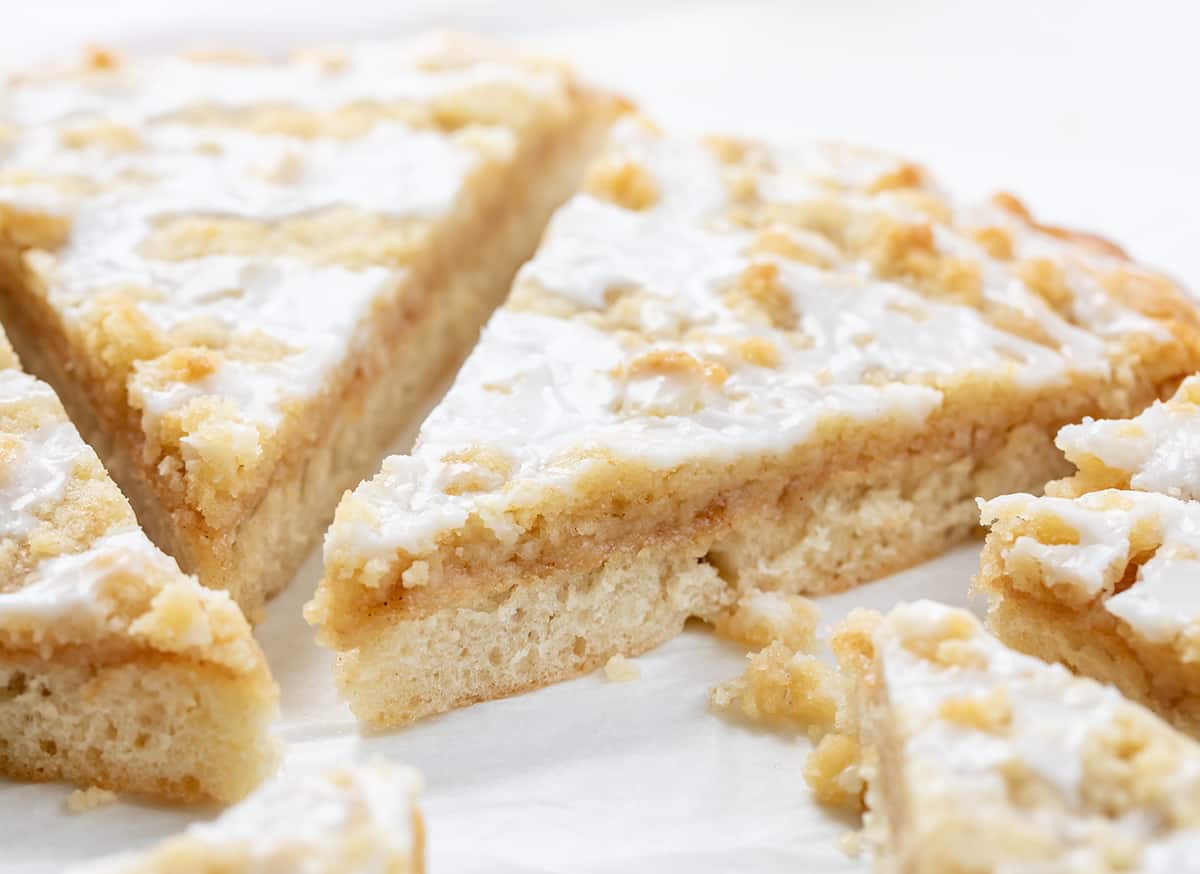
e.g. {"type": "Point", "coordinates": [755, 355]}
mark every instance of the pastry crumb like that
{"type": "Point", "coordinates": [850, 843]}
{"type": "Point", "coordinates": [619, 669]}
{"type": "Point", "coordinates": [782, 684]}
{"type": "Point", "coordinates": [83, 800]}
{"type": "Point", "coordinates": [762, 618]}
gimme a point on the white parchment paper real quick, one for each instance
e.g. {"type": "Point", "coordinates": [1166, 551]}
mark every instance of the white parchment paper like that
{"type": "Point", "coordinates": [1087, 110]}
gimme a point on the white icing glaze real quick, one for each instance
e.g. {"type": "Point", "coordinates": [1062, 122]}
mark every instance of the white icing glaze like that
{"type": "Point", "coordinates": [34, 478]}
{"type": "Point", "coordinates": [357, 819]}
{"type": "Point", "coordinates": [1159, 449]}
{"type": "Point", "coordinates": [1054, 714]}
{"type": "Point", "coordinates": [544, 391]}
{"type": "Point", "coordinates": [77, 584]}
{"type": "Point", "coordinates": [36, 474]}
{"type": "Point", "coordinates": [1163, 603]}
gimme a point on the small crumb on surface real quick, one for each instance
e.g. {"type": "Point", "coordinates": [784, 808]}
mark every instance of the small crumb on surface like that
{"type": "Point", "coordinates": [781, 684]}
{"type": "Point", "coordinates": [619, 669]}
{"type": "Point", "coordinates": [83, 800]}
{"type": "Point", "coordinates": [850, 843]}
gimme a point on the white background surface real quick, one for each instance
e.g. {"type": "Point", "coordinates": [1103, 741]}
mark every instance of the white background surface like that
{"type": "Point", "coordinates": [1088, 110]}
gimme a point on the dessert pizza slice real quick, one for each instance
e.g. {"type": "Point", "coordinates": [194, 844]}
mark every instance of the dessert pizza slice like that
{"type": "Point", "coordinates": [979, 759]}
{"type": "Point", "coordinates": [116, 670]}
{"type": "Point", "coordinates": [730, 366]}
{"type": "Point", "coordinates": [357, 820]}
{"type": "Point", "coordinates": [1104, 573]}
{"type": "Point", "coordinates": [243, 277]}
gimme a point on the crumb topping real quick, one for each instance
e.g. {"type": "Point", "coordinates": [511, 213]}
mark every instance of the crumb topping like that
{"type": "Point", "coordinates": [203, 209]}
{"type": "Point", "coordinates": [706, 301]}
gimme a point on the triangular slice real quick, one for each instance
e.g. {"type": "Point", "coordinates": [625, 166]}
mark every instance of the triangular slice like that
{"type": "Point", "coordinates": [1104, 574]}
{"type": "Point", "coordinates": [116, 670]}
{"type": "Point", "coordinates": [729, 366]}
{"type": "Point", "coordinates": [979, 759]}
{"type": "Point", "coordinates": [357, 820]}
{"type": "Point", "coordinates": [243, 277]}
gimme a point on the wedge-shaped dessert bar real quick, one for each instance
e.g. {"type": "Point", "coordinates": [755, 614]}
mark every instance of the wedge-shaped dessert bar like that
{"type": "Point", "coordinates": [979, 759]}
{"type": "Point", "coordinates": [244, 277]}
{"type": "Point", "coordinates": [358, 820]}
{"type": "Point", "coordinates": [730, 366]}
{"type": "Point", "coordinates": [116, 670]}
{"type": "Point", "coordinates": [1107, 581]}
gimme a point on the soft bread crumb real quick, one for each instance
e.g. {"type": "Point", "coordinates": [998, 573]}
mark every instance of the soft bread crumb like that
{"type": "Point", "coordinates": [83, 800]}
{"type": "Point", "coordinates": [619, 669]}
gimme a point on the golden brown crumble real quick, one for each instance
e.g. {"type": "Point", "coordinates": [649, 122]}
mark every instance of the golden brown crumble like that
{"type": "Point", "coordinates": [991, 713]}
{"type": "Point", "coordinates": [625, 183]}
{"type": "Point", "coordinates": [487, 470]}
{"type": "Point", "coordinates": [344, 236]}
{"type": "Point", "coordinates": [950, 645]}
{"type": "Point", "coordinates": [779, 683]}
{"type": "Point", "coordinates": [99, 59]}
{"type": "Point", "coordinates": [758, 295]}
{"type": "Point", "coordinates": [832, 771]}
{"type": "Point", "coordinates": [673, 362]}
{"type": "Point", "coordinates": [904, 176]}
{"type": "Point", "coordinates": [996, 241]}
{"type": "Point", "coordinates": [1045, 277]}
{"type": "Point", "coordinates": [777, 241]}
{"type": "Point", "coordinates": [1053, 530]}
{"type": "Point", "coordinates": [759, 352]}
